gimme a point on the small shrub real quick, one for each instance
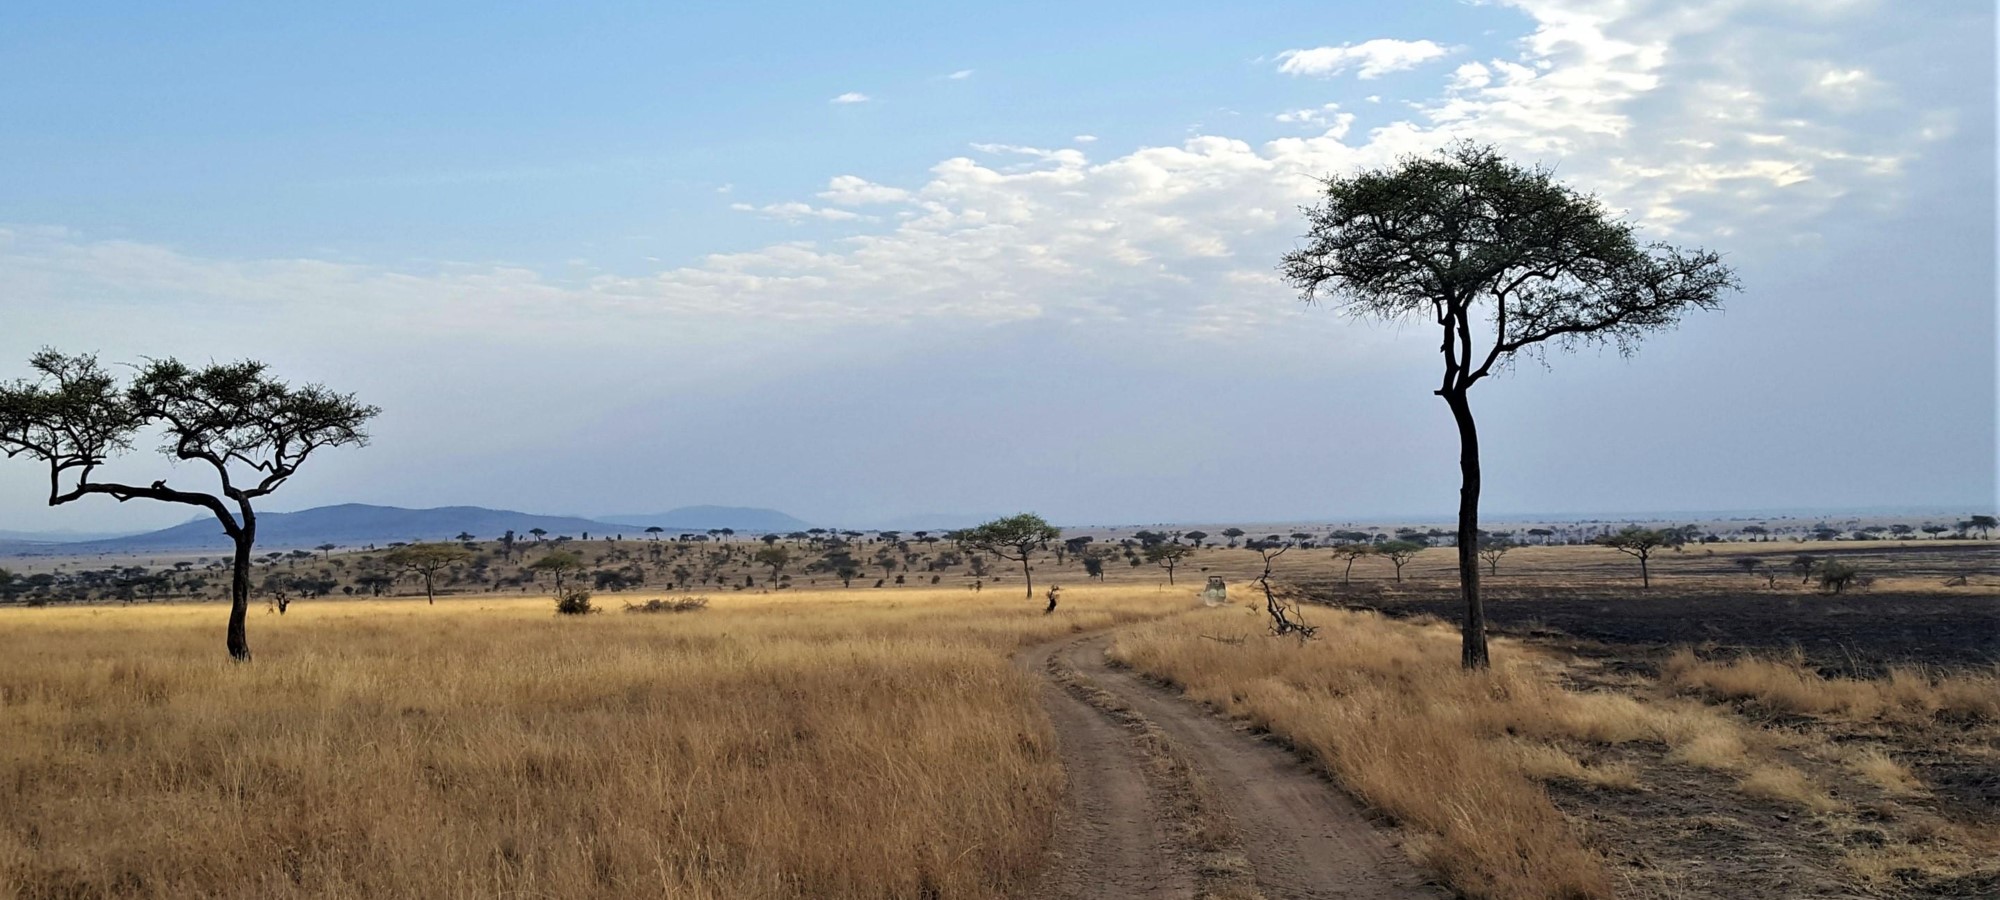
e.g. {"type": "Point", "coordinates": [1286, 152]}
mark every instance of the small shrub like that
{"type": "Point", "coordinates": [677, 604]}
{"type": "Point", "coordinates": [574, 602]}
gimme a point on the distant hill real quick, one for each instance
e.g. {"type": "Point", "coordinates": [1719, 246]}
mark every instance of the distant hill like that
{"type": "Point", "coordinates": [346, 525]}
{"type": "Point", "coordinates": [935, 521]}
{"type": "Point", "coordinates": [702, 518]}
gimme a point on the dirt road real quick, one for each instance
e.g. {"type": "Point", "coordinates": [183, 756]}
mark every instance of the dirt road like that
{"type": "Point", "coordinates": [1301, 837]}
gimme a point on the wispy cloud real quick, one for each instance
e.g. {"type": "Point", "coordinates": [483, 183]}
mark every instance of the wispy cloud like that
{"type": "Point", "coordinates": [851, 97]}
{"type": "Point", "coordinates": [853, 190]}
{"type": "Point", "coordinates": [795, 211]}
{"type": "Point", "coordinates": [960, 75]}
{"type": "Point", "coordinates": [1163, 234]}
{"type": "Point", "coordinates": [1370, 59]}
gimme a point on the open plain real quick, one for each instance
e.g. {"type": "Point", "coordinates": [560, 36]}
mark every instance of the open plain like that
{"type": "Point", "coordinates": [955, 741]}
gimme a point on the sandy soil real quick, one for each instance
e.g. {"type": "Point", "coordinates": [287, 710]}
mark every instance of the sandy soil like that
{"type": "Point", "coordinates": [1302, 836]}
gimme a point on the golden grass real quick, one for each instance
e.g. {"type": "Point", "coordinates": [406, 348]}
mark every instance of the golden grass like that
{"type": "Point", "coordinates": [1904, 696]}
{"type": "Point", "coordinates": [1784, 784]}
{"type": "Point", "coordinates": [1884, 772]}
{"type": "Point", "coordinates": [810, 745]}
{"type": "Point", "coordinates": [1385, 708]}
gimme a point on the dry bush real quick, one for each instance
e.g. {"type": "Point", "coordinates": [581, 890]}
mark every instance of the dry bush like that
{"type": "Point", "coordinates": [810, 746]}
{"type": "Point", "coordinates": [677, 604]}
{"type": "Point", "coordinates": [1784, 784]}
{"type": "Point", "coordinates": [1385, 708]}
{"type": "Point", "coordinates": [1884, 772]}
{"type": "Point", "coordinates": [1905, 696]}
{"type": "Point", "coordinates": [1548, 762]}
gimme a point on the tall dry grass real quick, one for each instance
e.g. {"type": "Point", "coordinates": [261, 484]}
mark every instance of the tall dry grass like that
{"type": "Point", "coordinates": [1384, 706]}
{"type": "Point", "coordinates": [1906, 695]}
{"type": "Point", "coordinates": [829, 745]}
{"type": "Point", "coordinates": [1458, 757]}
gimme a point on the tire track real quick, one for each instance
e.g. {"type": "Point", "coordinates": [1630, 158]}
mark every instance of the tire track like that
{"type": "Point", "coordinates": [1216, 796]}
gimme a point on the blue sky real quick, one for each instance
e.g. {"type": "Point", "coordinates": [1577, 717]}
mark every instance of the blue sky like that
{"type": "Point", "coordinates": [615, 257]}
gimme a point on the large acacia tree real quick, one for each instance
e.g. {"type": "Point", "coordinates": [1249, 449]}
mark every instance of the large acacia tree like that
{"type": "Point", "coordinates": [1505, 261]}
{"type": "Point", "coordinates": [247, 430]}
{"type": "Point", "coordinates": [1014, 538]}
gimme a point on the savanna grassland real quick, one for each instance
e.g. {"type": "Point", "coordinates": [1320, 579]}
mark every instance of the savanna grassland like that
{"type": "Point", "coordinates": [814, 745]}
{"type": "Point", "coordinates": [1729, 731]}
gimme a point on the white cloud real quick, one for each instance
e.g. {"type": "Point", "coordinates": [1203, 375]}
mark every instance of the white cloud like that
{"type": "Point", "coordinates": [853, 190]}
{"type": "Point", "coordinates": [1084, 138]}
{"type": "Point", "coordinates": [1327, 117]}
{"type": "Point", "coordinates": [1371, 59]}
{"type": "Point", "coordinates": [960, 75]}
{"type": "Point", "coordinates": [851, 97]}
{"type": "Point", "coordinates": [797, 212]}
{"type": "Point", "coordinates": [1668, 115]}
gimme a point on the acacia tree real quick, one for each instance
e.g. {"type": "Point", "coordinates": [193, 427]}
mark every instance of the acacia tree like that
{"type": "Point", "coordinates": [774, 556]}
{"type": "Point", "coordinates": [1505, 261]}
{"type": "Point", "coordinates": [428, 560]}
{"type": "Point", "coordinates": [1639, 543]}
{"type": "Point", "coordinates": [251, 430]}
{"type": "Point", "coordinates": [1167, 556]}
{"type": "Point", "coordinates": [1351, 552]}
{"type": "Point", "coordinates": [1491, 548]}
{"type": "Point", "coordinates": [1399, 553]}
{"type": "Point", "coordinates": [1014, 538]}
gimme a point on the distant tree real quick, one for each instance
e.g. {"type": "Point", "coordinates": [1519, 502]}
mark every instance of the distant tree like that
{"type": "Point", "coordinates": [326, 550]}
{"type": "Point", "coordinates": [1755, 531]}
{"type": "Point", "coordinates": [1541, 535]}
{"type": "Point", "coordinates": [1013, 538]}
{"type": "Point", "coordinates": [250, 429]}
{"type": "Point", "coordinates": [1749, 564]}
{"type": "Point", "coordinates": [466, 537]}
{"type": "Point", "coordinates": [1982, 524]}
{"type": "Point", "coordinates": [1168, 556]}
{"type": "Point", "coordinates": [1399, 553]}
{"type": "Point", "coordinates": [538, 533]}
{"type": "Point", "coordinates": [1283, 610]}
{"type": "Point", "coordinates": [1835, 575]}
{"type": "Point", "coordinates": [1934, 530]}
{"type": "Point", "coordinates": [1900, 530]}
{"type": "Point", "coordinates": [1638, 543]}
{"type": "Point", "coordinates": [558, 563]}
{"type": "Point", "coordinates": [1233, 534]}
{"type": "Point", "coordinates": [427, 560]}
{"type": "Point", "coordinates": [1466, 235]}
{"type": "Point", "coordinates": [1491, 548]}
{"type": "Point", "coordinates": [1093, 566]}
{"type": "Point", "coordinates": [1196, 537]}
{"type": "Point", "coordinates": [774, 556]}
{"type": "Point", "coordinates": [1351, 552]}
{"type": "Point", "coordinates": [1804, 565]}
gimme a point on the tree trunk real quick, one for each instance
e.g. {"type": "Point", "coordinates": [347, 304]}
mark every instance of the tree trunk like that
{"type": "Point", "coordinates": [239, 599]}
{"type": "Point", "coordinates": [429, 595]}
{"type": "Point", "coordinates": [1472, 652]}
{"type": "Point", "coordinates": [1028, 574]}
{"type": "Point", "coordinates": [1645, 577]}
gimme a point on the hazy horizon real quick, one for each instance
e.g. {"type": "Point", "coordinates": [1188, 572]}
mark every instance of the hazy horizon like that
{"type": "Point", "coordinates": [726, 256]}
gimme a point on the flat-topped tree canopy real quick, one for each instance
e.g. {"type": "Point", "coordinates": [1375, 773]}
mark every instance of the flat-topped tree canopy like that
{"type": "Point", "coordinates": [1505, 260]}
{"type": "Point", "coordinates": [253, 432]}
{"type": "Point", "coordinates": [1014, 538]}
